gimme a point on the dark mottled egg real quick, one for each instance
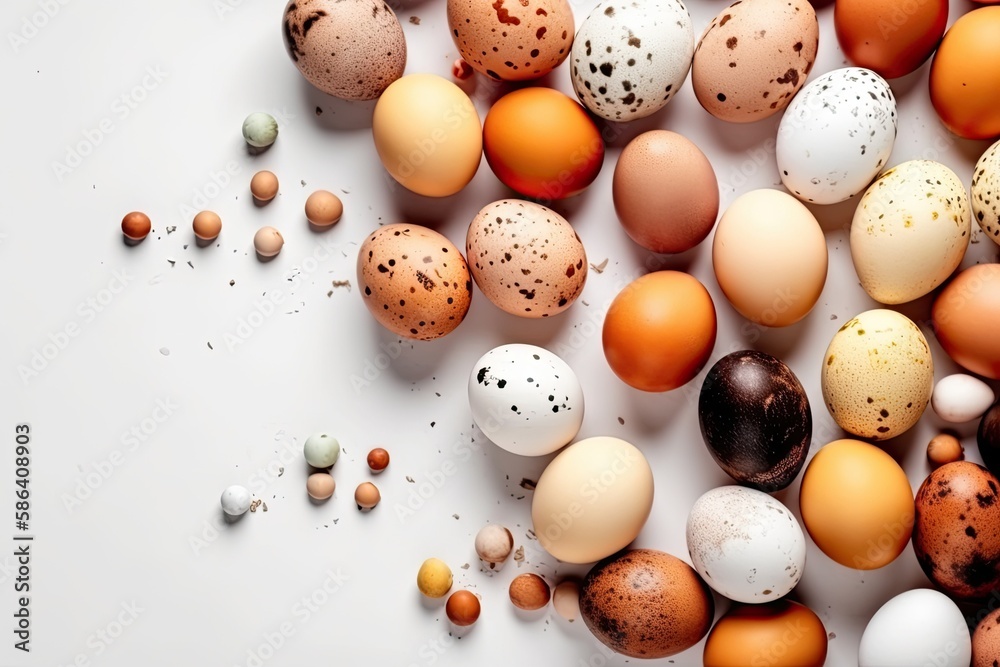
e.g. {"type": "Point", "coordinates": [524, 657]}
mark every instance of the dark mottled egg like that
{"type": "Point", "coordinates": [956, 534]}
{"type": "Point", "coordinates": [755, 419]}
{"type": "Point", "coordinates": [986, 641]}
{"type": "Point", "coordinates": [414, 281]}
{"type": "Point", "coordinates": [988, 438]}
{"type": "Point", "coordinates": [646, 604]}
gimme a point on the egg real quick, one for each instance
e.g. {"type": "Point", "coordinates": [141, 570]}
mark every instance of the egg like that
{"type": "Point", "coordinates": [367, 496]}
{"type": "Point", "coordinates": [961, 398]}
{"type": "Point", "coordinates": [377, 460]}
{"type": "Point", "coordinates": [986, 641]}
{"type": "Point", "coordinates": [323, 208]}
{"type": "Point", "coordinates": [755, 419]}
{"type": "Point", "coordinates": [434, 578]}
{"type": "Point", "coordinates": [136, 226]}
{"type": "Point", "coordinates": [956, 535]}
{"type": "Point", "coordinates": [566, 599]}
{"type": "Point", "coordinates": [542, 144]}
{"type": "Point", "coordinates": [351, 49]}
{"type": "Point", "coordinates": [529, 592]}
{"type": "Point", "coordinates": [778, 634]}
{"type": "Point", "coordinates": [525, 399]}
{"type": "Point", "coordinates": [665, 192]}
{"type": "Point", "coordinates": [887, 37]}
{"type": "Point", "coordinates": [646, 604]}
{"type": "Point", "coordinates": [592, 499]}
{"type": "Point", "coordinates": [965, 314]}
{"type": "Point", "coordinates": [753, 57]}
{"type": "Point", "coordinates": [746, 544]}
{"type": "Point", "coordinates": [659, 331]}
{"type": "Point", "coordinates": [857, 504]}
{"type": "Point", "coordinates": [629, 59]}
{"type": "Point", "coordinates": [770, 257]}
{"type": "Point", "coordinates": [877, 375]}
{"type": "Point", "coordinates": [985, 192]}
{"type": "Point", "coordinates": [236, 500]}
{"type": "Point", "coordinates": [494, 544]}
{"type": "Point", "coordinates": [320, 486]}
{"type": "Point", "coordinates": [945, 448]}
{"type": "Point", "coordinates": [207, 225]}
{"type": "Point", "coordinates": [463, 608]}
{"type": "Point", "coordinates": [988, 438]}
{"type": "Point", "coordinates": [512, 41]}
{"type": "Point", "coordinates": [264, 186]}
{"type": "Point", "coordinates": [268, 242]}
{"type": "Point", "coordinates": [428, 135]}
{"type": "Point", "coordinates": [965, 75]}
{"type": "Point", "coordinates": [526, 258]}
{"type": "Point", "coordinates": [260, 129]}
{"type": "Point", "coordinates": [917, 627]}
{"type": "Point", "coordinates": [414, 281]}
{"type": "Point", "coordinates": [836, 135]}
{"type": "Point", "coordinates": [910, 231]}
{"type": "Point", "coordinates": [321, 450]}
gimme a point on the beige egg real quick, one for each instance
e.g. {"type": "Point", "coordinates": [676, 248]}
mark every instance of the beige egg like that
{"type": "Point", "coordinates": [320, 485]}
{"type": "Point", "coordinates": [910, 231]}
{"type": "Point", "coordinates": [414, 281]}
{"type": "Point", "coordinates": [512, 40]}
{"type": "Point", "coordinates": [352, 49]}
{"type": "Point", "coordinates": [753, 57]}
{"type": "Point", "coordinates": [877, 375]}
{"type": "Point", "coordinates": [526, 258]}
{"type": "Point", "coordinates": [268, 241]}
{"type": "Point", "coordinates": [986, 192]}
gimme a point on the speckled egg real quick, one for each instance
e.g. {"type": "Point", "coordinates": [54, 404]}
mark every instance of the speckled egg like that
{"type": "Point", "coordinates": [510, 40]}
{"type": "Point", "coordinates": [352, 49]}
{"type": "Point", "coordinates": [986, 192]}
{"type": "Point", "coordinates": [910, 231]}
{"type": "Point", "coordinates": [836, 135]}
{"type": "Point", "coordinates": [746, 544]}
{"type": "Point", "coordinates": [877, 375]}
{"type": "Point", "coordinates": [956, 534]}
{"type": "Point", "coordinates": [629, 57]}
{"type": "Point", "coordinates": [986, 641]}
{"type": "Point", "coordinates": [646, 604]}
{"type": "Point", "coordinates": [526, 258]}
{"type": "Point", "coordinates": [414, 281]}
{"type": "Point", "coordinates": [753, 57]}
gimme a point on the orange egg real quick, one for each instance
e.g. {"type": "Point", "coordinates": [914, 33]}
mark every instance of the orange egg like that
{"type": "Point", "coordinates": [779, 634]}
{"type": "Point", "coordinates": [966, 317]}
{"type": "Point", "coordinates": [660, 331]}
{"type": "Point", "coordinates": [965, 75]}
{"type": "Point", "coordinates": [542, 144]}
{"type": "Point", "coordinates": [887, 36]}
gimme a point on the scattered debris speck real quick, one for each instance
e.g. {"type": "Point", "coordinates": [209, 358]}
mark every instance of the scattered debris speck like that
{"type": "Point", "coordinates": [832, 635]}
{"type": "Point", "coordinates": [455, 517]}
{"type": "Point", "coordinates": [586, 303]}
{"type": "Point", "coordinates": [172, 262]}
{"type": "Point", "coordinates": [281, 471]}
{"type": "Point", "coordinates": [415, 20]}
{"type": "Point", "coordinates": [319, 112]}
{"type": "Point", "coordinates": [530, 534]}
{"type": "Point", "coordinates": [346, 192]}
{"type": "Point", "coordinates": [164, 351]}
{"type": "Point", "coordinates": [599, 268]}
{"type": "Point", "coordinates": [621, 421]}
{"type": "Point", "coordinates": [519, 555]}
{"type": "Point", "coordinates": [833, 317]}
{"type": "Point", "coordinates": [342, 283]}
{"type": "Point", "coordinates": [232, 282]}
{"type": "Point", "coordinates": [156, 279]}
{"type": "Point", "coordinates": [527, 484]}
{"type": "Point", "coordinates": [410, 480]}
{"type": "Point", "coordinates": [465, 566]}
{"type": "Point", "coordinates": [335, 521]}
{"type": "Point", "coordinates": [209, 343]}
{"type": "Point", "coordinates": [255, 504]}
{"type": "Point", "coordinates": [190, 264]}
{"type": "Point", "coordinates": [303, 183]}
{"type": "Point", "coordinates": [432, 424]}
{"type": "Point", "coordinates": [264, 506]}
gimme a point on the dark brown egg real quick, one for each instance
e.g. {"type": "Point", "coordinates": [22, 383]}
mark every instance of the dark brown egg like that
{"type": "Point", "coordinates": [646, 604]}
{"type": "Point", "coordinates": [988, 438]}
{"type": "Point", "coordinates": [986, 641]}
{"type": "Point", "coordinates": [755, 419]}
{"type": "Point", "coordinates": [956, 533]}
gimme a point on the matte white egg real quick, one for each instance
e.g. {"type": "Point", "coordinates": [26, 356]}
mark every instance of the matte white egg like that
{"type": "Point", "coordinates": [746, 544]}
{"type": "Point", "coordinates": [236, 500]}
{"type": "Point", "coordinates": [836, 135]}
{"type": "Point", "coordinates": [525, 399]}
{"type": "Point", "coordinates": [918, 627]}
{"type": "Point", "coordinates": [961, 398]}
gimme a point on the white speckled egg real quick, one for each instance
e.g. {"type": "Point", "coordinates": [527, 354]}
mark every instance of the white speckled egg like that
{"type": "Point", "coordinates": [836, 135]}
{"type": "Point", "coordinates": [526, 258]}
{"type": "Point", "coordinates": [629, 57]}
{"type": "Point", "coordinates": [910, 231]}
{"type": "Point", "coordinates": [877, 375]}
{"type": "Point", "coordinates": [746, 544]}
{"type": "Point", "coordinates": [986, 192]}
{"type": "Point", "coordinates": [917, 627]}
{"type": "Point", "coordinates": [525, 399]}
{"type": "Point", "coordinates": [961, 398]}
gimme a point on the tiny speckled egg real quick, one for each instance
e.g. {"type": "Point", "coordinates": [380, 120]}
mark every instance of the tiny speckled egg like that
{"type": "Point", "coordinates": [629, 57]}
{"type": "Point", "coordinates": [753, 57]}
{"type": "Point", "coordinates": [956, 535]}
{"type": "Point", "coordinates": [321, 450]}
{"type": "Point", "coordinates": [528, 591]}
{"type": "Point", "coordinates": [236, 500]}
{"type": "Point", "coordinates": [746, 544]}
{"type": "Point", "coordinates": [877, 375]}
{"type": "Point", "coordinates": [945, 448]}
{"type": "Point", "coordinates": [961, 398]}
{"type": "Point", "coordinates": [966, 314]}
{"type": "Point", "coordinates": [762, 634]}
{"type": "Point", "coordinates": [910, 231]}
{"type": "Point", "coordinates": [836, 135]}
{"type": "Point", "coordinates": [917, 627]}
{"type": "Point", "coordinates": [525, 399]}
{"type": "Point", "coordinates": [414, 281]}
{"type": "Point", "coordinates": [352, 49]}
{"type": "Point", "coordinates": [512, 41]}
{"type": "Point", "coordinates": [986, 641]}
{"type": "Point", "coordinates": [526, 258]}
{"type": "Point", "coordinates": [646, 604]}
{"type": "Point", "coordinates": [985, 192]}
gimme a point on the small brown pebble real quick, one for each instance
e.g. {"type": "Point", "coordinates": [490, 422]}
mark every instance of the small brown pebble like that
{"type": "Point", "coordinates": [378, 460]}
{"type": "Point", "coordinates": [944, 448]}
{"type": "Point", "coordinates": [529, 592]}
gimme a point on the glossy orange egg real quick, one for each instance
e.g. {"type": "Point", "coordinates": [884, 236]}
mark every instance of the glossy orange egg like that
{"type": "Point", "coordinates": [889, 37]}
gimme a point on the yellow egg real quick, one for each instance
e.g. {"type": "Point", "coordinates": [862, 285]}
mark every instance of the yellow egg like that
{"type": "Point", "coordinates": [434, 578]}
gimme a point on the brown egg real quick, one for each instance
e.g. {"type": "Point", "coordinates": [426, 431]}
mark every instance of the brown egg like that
{"type": "Point", "coordinates": [529, 592]}
{"type": "Point", "coordinates": [136, 226]}
{"type": "Point", "coordinates": [352, 49]}
{"type": "Point", "coordinates": [378, 460]}
{"type": "Point", "coordinates": [964, 312]}
{"type": "Point", "coordinates": [885, 37]}
{"type": "Point", "coordinates": [512, 40]}
{"type": "Point", "coordinates": [944, 448]}
{"type": "Point", "coordinates": [956, 534]}
{"type": "Point", "coordinates": [778, 634]}
{"type": "Point", "coordinates": [646, 604]}
{"type": "Point", "coordinates": [207, 225]}
{"type": "Point", "coordinates": [367, 496]}
{"type": "Point", "coordinates": [414, 281]}
{"type": "Point", "coordinates": [986, 641]}
{"type": "Point", "coordinates": [526, 258]}
{"type": "Point", "coordinates": [462, 608]}
{"type": "Point", "coordinates": [324, 208]}
{"type": "Point", "coordinates": [264, 186]}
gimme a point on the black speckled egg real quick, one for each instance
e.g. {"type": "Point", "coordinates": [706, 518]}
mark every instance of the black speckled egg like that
{"type": "Point", "coordinates": [755, 419]}
{"type": "Point", "coordinates": [988, 438]}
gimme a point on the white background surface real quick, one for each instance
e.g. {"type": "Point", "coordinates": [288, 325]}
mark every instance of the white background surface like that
{"type": "Point", "coordinates": [240, 411]}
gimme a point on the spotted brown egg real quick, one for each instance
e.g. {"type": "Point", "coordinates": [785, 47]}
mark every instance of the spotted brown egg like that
{"type": "Point", "coordinates": [414, 281]}
{"type": "Point", "coordinates": [753, 57]}
{"type": "Point", "coordinates": [352, 49]}
{"type": "Point", "coordinates": [526, 258]}
{"type": "Point", "coordinates": [956, 532]}
{"type": "Point", "coordinates": [512, 40]}
{"type": "Point", "coordinates": [986, 192]}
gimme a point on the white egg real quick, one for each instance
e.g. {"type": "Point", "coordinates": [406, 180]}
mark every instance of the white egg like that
{"type": "Point", "coordinates": [526, 399]}
{"type": "Point", "coordinates": [836, 135]}
{"type": "Point", "coordinates": [629, 58]}
{"type": "Point", "coordinates": [918, 627]}
{"type": "Point", "coordinates": [746, 544]}
{"type": "Point", "coordinates": [961, 398]}
{"type": "Point", "coordinates": [236, 500]}
{"type": "Point", "coordinates": [985, 192]}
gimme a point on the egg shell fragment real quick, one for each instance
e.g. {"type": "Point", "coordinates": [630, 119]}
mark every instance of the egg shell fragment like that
{"type": "Point", "coordinates": [961, 398]}
{"type": "Point", "coordinates": [917, 627]}
{"type": "Point", "coordinates": [985, 192]}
